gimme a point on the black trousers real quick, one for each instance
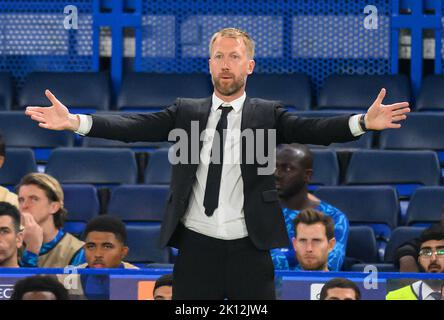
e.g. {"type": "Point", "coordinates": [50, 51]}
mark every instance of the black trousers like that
{"type": "Point", "coordinates": [214, 269]}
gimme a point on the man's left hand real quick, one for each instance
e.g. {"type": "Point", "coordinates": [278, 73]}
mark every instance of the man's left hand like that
{"type": "Point", "coordinates": [380, 116]}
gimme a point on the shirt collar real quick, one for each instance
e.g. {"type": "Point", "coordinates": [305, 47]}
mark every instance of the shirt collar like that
{"type": "Point", "coordinates": [236, 104]}
{"type": "Point", "coordinates": [426, 290]}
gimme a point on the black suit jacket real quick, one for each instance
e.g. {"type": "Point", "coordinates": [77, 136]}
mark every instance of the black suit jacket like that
{"type": "Point", "coordinates": [263, 215]}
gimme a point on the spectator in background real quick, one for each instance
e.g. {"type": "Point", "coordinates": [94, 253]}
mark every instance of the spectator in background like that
{"type": "Point", "coordinates": [314, 239]}
{"type": "Point", "coordinates": [39, 288]}
{"type": "Point", "coordinates": [163, 288]}
{"type": "Point", "coordinates": [431, 260]}
{"type": "Point", "coordinates": [11, 238]}
{"type": "Point", "coordinates": [105, 243]}
{"type": "Point", "coordinates": [340, 289]}
{"type": "Point", "coordinates": [294, 169]}
{"type": "Point", "coordinates": [43, 215]}
{"type": "Point", "coordinates": [406, 256]}
{"type": "Point", "coordinates": [105, 247]}
{"type": "Point", "coordinates": [5, 194]}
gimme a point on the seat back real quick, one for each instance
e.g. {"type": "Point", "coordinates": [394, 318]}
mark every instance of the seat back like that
{"type": "Point", "coordinates": [361, 244]}
{"type": "Point", "coordinates": [426, 206]}
{"type": "Point", "coordinates": [93, 166]}
{"type": "Point", "coordinates": [156, 91]}
{"type": "Point", "coordinates": [18, 163]}
{"type": "Point", "coordinates": [138, 202]}
{"type": "Point", "coordinates": [159, 168]}
{"type": "Point", "coordinates": [78, 90]}
{"type": "Point", "coordinates": [293, 90]}
{"type": "Point", "coordinates": [358, 92]}
{"type": "Point", "coordinates": [400, 236]}
{"type": "Point", "coordinates": [431, 96]}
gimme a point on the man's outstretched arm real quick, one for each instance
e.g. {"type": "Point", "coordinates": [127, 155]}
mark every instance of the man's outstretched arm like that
{"type": "Point", "coordinates": [324, 131]}
{"type": "Point", "coordinates": [125, 127]}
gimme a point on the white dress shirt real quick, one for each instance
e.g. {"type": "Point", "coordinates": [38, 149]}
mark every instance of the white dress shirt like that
{"type": "Point", "coordinates": [227, 221]}
{"type": "Point", "coordinates": [423, 290]}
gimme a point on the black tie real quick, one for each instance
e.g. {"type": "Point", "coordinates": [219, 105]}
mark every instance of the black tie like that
{"type": "Point", "coordinates": [436, 295]}
{"type": "Point", "coordinates": [212, 188]}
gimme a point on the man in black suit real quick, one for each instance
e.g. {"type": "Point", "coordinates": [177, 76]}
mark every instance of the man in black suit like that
{"type": "Point", "coordinates": [223, 217]}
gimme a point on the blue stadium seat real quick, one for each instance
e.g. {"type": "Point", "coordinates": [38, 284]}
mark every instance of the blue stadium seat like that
{"type": "Point", "coordinates": [400, 236]}
{"type": "Point", "coordinates": [158, 170]}
{"type": "Point", "coordinates": [141, 207]}
{"type": "Point", "coordinates": [154, 91]}
{"type": "Point", "coordinates": [89, 91]}
{"type": "Point", "coordinates": [82, 204]}
{"type": "Point", "coordinates": [405, 169]}
{"type": "Point", "coordinates": [6, 91]}
{"type": "Point", "coordinates": [20, 131]}
{"type": "Point", "coordinates": [144, 244]}
{"type": "Point", "coordinates": [375, 206]}
{"type": "Point", "coordinates": [358, 92]}
{"type": "Point", "coordinates": [18, 163]}
{"type": "Point", "coordinates": [426, 206]}
{"type": "Point", "coordinates": [364, 142]}
{"type": "Point", "coordinates": [93, 166]}
{"type": "Point", "coordinates": [431, 97]}
{"type": "Point", "coordinates": [361, 244]}
{"type": "Point", "coordinates": [90, 142]}
{"type": "Point", "coordinates": [138, 202]}
{"type": "Point", "coordinates": [325, 168]}
{"type": "Point", "coordinates": [418, 132]}
{"type": "Point", "coordinates": [293, 90]}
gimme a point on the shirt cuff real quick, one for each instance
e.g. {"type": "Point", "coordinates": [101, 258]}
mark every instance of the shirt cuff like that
{"type": "Point", "coordinates": [355, 128]}
{"type": "Point", "coordinates": [85, 124]}
{"type": "Point", "coordinates": [29, 259]}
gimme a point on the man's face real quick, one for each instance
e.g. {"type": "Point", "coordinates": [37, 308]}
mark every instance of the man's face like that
{"type": "Point", "coordinates": [340, 294]}
{"type": "Point", "coordinates": [33, 200]}
{"type": "Point", "coordinates": [433, 263]}
{"type": "Point", "coordinates": [312, 246]}
{"type": "Point", "coordinates": [230, 66]}
{"type": "Point", "coordinates": [104, 250]}
{"type": "Point", "coordinates": [163, 293]}
{"type": "Point", "coordinates": [10, 241]}
{"type": "Point", "coordinates": [290, 176]}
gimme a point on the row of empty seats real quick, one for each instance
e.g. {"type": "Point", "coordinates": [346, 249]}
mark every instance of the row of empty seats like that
{"type": "Point", "coordinates": [100, 166]}
{"type": "Point", "coordinates": [149, 91]}
{"type": "Point", "coordinates": [362, 248]}
{"type": "Point", "coordinates": [406, 170]}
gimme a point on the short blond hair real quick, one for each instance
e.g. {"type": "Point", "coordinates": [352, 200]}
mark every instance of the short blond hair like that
{"type": "Point", "coordinates": [236, 34]}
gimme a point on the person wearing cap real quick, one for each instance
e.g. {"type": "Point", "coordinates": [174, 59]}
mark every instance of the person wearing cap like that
{"type": "Point", "coordinates": [163, 288]}
{"type": "Point", "coordinates": [40, 199]}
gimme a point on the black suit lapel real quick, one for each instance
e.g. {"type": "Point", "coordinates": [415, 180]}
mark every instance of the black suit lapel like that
{"type": "Point", "coordinates": [247, 114]}
{"type": "Point", "coordinates": [204, 112]}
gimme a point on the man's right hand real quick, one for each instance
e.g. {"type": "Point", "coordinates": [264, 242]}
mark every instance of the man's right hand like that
{"type": "Point", "coordinates": [55, 117]}
{"type": "Point", "coordinates": [32, 233]}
